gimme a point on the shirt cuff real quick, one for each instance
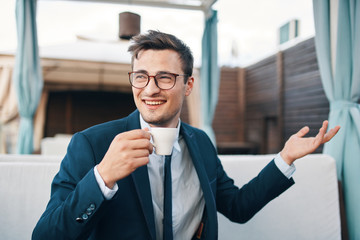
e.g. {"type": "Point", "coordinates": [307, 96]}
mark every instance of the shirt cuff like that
{"type": "Point", "coordinates": [287, 170]}
{"type": "Point", "coordinates": [107, 192]}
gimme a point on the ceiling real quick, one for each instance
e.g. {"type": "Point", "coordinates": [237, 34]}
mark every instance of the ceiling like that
{"type": "Point", "coordinates": [203, 5]}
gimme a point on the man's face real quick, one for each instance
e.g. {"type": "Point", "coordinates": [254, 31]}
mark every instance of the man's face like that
{"type": "Point", "coordinates": [160, 108]}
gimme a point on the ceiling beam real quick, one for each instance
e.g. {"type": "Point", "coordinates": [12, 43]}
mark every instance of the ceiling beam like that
{"type": "Point", "coordinates": [202, 6]}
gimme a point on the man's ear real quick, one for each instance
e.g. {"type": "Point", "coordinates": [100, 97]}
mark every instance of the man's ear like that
{"type": "Point", "coordinates": [189, 85]}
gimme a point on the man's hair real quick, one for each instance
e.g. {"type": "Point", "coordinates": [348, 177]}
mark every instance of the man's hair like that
{"type": "Point", "coordinates": [156, 40]}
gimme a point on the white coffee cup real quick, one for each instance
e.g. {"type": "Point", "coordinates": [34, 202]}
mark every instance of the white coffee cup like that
{"type": "Point", "coordinates": [163, 139]}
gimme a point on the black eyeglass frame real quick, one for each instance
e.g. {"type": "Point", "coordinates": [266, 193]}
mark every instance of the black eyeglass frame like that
{"type": "Point", "coordinates": [156, 82]}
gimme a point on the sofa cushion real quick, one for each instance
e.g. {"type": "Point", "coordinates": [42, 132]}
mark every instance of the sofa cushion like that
{"type": "Point", "coordinates": [308, 210]}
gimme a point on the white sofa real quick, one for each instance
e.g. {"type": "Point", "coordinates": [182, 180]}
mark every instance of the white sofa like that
{"type": "Point", "coordinates": [308, 210]}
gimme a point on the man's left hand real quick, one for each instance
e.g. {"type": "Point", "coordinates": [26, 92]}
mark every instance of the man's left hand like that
{"type": "Point", "coordinates": [298, 146]}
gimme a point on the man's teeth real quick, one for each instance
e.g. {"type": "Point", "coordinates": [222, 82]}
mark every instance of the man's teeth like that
{"type": "Point", "coordinates": [153, 102]}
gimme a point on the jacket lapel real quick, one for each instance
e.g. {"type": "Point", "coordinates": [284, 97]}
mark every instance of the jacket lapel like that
{"type": "Point", "coordinates": [142, 185]}
{"type": "Point", "coordinates": [197, 158]}
{"type": "Point", "coordinates": [141, 181]}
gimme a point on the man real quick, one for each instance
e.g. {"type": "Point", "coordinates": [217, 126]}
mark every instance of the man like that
{"type": "Point", "coordinates": [111, 184]}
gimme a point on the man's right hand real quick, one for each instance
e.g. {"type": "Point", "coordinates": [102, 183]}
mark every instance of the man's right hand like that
{"type": "Point", "coordinates": [128, 151]}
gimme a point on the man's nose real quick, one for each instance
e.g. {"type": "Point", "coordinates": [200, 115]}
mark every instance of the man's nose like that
{"type": "Point", "coordinates": [152, 88]}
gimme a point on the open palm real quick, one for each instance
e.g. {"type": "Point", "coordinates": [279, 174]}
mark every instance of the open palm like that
{"type": "Point", "coordinates": [298, 146]}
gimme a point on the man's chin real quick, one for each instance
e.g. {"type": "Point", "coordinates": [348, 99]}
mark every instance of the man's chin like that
{"type": "Point", "coordinates": [157, 118]}
{"type": "Point", "coordinates": [156, 123]}
{"type": "Point", "coordinates": [152, 120]}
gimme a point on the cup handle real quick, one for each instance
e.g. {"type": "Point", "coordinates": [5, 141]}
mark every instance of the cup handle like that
{"type": "Point", "coordinates": [153, 143]}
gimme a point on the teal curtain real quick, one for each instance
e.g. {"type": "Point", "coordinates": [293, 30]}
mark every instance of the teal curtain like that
{"type": "Point", "coordinates": [27, 76]}
{"type": "Point", "coordinates": [342, 88]}
{"type": "Point", "coordinates": [209, 74]}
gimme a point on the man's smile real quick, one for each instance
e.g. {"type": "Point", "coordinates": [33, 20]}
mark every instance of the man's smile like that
{"type": "Point", "coordinates": [153, 103]}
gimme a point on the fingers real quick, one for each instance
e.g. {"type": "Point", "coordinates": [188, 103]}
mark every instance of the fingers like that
{"type": "Point", "coordinates": [320, 136]}
{"type": "Point", "coordinates": [134, 153]}
{"type": "Point", "coordinates": [136, 134]}
{"type": "Point", "coordinates": [302, 132]}
{"type": "Point", "coordinates": [142, 143]}
{"type": "Point", "coordinates": [130, 142]}
{"type": "Point", "coordinates": [323, 136]}
{"type": "Point", "coordinates": [323, 129]}
{"type": "Point", "coordinates": [329, 135]}
{"type": "Point", "coordinates": [140, 162]}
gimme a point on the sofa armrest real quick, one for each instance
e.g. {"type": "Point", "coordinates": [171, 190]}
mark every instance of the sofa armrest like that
{"type": "Point", "coordinates": [25, 182]}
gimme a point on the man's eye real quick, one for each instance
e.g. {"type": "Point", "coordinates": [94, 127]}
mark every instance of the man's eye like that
{"type": "Point", "coordinates": [140, 76]}
{"type": "Point", "coordinates": [164, 76]}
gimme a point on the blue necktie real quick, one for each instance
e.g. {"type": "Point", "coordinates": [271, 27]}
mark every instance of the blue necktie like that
{"type": "Point", "coordinates": [167, 226]}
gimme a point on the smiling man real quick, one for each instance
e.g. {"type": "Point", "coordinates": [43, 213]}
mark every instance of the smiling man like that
{"type": "Point", "coordinates": [160, 105]}
{"type": "Point", "coordinates": [111, 185]}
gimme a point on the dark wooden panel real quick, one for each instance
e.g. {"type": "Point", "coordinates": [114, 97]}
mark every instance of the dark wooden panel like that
{"type": "Point", "coordinates": [305, 102]}
{"type": "Point", "coordinates": [262, 99]}
{"type": "Point", "coordinates": [82, 109]}
{"type": "Point", "coordinates": [226, 120]}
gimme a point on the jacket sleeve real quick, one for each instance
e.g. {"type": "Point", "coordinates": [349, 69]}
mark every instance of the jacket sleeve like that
{"type": "Point", "coordinates": [76, 200]}
{"type": "Point", "coordinates": [241, 204]}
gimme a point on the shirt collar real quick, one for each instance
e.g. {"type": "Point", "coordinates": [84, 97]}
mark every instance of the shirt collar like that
{"type": "Point", "coordinates": [144, 124]}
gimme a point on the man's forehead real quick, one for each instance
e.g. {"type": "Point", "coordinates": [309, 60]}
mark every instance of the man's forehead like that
{"type": "Point", "coordinates": [165, 57]}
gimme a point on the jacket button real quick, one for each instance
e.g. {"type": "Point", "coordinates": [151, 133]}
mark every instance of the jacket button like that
{"type": "Point", "coordinates": [92, 206]}
{"type": "Point", "coordinates": [84, 216]}
{"type": "Point", "coordinates": [89, 211]}
{"type": "Point", "coordinates": [79, 219]}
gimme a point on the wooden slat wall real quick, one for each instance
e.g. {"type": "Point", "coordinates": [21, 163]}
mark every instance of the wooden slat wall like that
{"type": "Point", "coordinates": [73, 111]}
{"type": "Point", "coordinates": [227, 115]}
{"type": "Point", "coordinates": [262, 98]}
{"type": "Point", "coordinates": [305, 102]}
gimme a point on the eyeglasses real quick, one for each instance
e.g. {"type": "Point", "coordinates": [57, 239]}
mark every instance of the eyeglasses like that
{"type": "Point", "coordinates": [164, 81]}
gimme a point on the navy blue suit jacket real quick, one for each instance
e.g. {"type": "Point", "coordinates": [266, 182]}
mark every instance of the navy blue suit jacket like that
{"type": "Point", "coordinates": [78, 210]}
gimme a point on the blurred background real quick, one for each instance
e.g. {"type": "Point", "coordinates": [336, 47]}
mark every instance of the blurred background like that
{"type": "Point", "coordinates": [247, 30]}
{"type": "Point", "coordinates": [85, 64]}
